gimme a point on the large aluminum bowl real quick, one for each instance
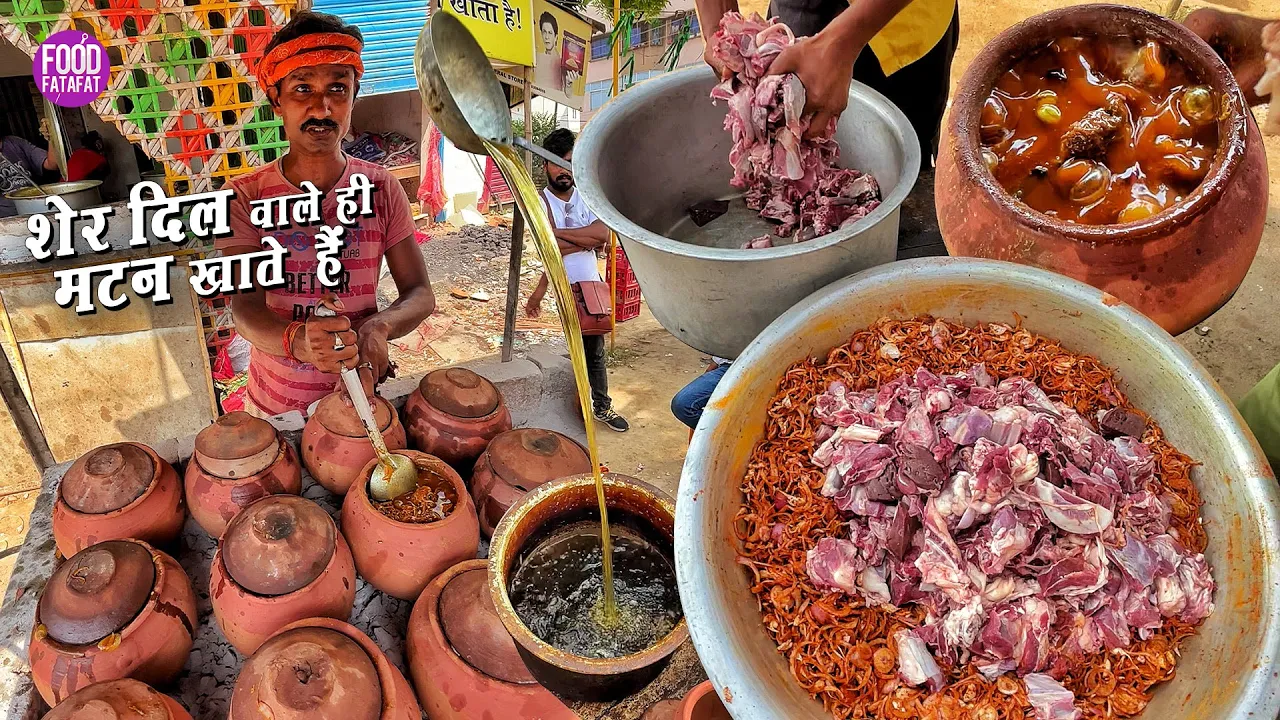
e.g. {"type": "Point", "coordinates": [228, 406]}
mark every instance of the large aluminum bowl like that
{"type": "Point", "coordinates": [1226, 672]}
{"type": "Point", "coordinates": [661, 146]}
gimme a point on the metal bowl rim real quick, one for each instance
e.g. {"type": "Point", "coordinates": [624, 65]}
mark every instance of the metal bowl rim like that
{"type": "Point", "coordinates": [590, 145]}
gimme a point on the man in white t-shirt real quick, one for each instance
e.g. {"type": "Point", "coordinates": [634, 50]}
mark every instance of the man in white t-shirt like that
{"type": "Point", "coordinates": [579, 233]}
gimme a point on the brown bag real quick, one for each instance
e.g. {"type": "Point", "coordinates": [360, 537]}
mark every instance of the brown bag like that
{"type": "Point", "coordinates": [595, 312]}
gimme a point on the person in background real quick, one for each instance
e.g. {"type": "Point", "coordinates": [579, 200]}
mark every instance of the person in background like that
{"type": "Point", "coordinates": [90, 161]}
{"type": "Point", "coordinates": [22, 165]}
{"type": "Point", "coordinates": [687, 405]}
{"type": "Point", "coordinates": [1238, 39]}
{"type": "Point", "coordinates": [911, 46]}
{"type": "Point", "coordinates": [311, 73]}
{"type": "Point", "coordinates": [579, 234]}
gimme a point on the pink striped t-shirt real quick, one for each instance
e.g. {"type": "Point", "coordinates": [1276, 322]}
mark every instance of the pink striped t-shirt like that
{"type": "Point", "coordinates": [276, 384]}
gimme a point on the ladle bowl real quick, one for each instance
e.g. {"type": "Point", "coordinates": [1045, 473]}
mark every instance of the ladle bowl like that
{"type": "Point", "coordinates": [460, 89]}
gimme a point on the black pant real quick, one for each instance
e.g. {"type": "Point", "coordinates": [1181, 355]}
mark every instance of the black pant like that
{"type": "Point", "coordinates": [596, 373]}
{"type": "Point", "coordinates": [919, 89]}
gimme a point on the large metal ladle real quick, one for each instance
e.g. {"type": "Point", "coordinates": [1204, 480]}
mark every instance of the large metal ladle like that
{"type": "Point", "coordinates": [462, 92]}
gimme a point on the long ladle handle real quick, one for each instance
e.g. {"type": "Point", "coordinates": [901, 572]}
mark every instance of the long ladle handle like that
{"type": "Point", "coordinates": [540, 152]}
{"type": "Point", "coordinates": [355, 390]}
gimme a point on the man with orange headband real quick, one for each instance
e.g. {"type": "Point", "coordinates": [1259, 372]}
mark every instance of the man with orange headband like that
{"type": "Point", "coordinates": [311, 72]}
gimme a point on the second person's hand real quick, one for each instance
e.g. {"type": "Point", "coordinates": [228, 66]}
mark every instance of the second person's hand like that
{"type": "Point", "coordinates": [824, 69]}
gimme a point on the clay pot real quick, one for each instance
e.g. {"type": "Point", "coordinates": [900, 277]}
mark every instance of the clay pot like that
{"type": "Point", "coordinates": [519, 461]}
{"type": "Point", "coordinates": [281, 560]}
{"type": "Point", "coordinates": [454, 414]}
{"type": "Point", "coordinates": [124, 490]}
{"type": "Point", "coordinates": [335, 446]}
{"type": "Point", "coordinates": [562, 501]}
{"type": "Point", "coordinates": [239, 459]}
{"type": "Point", "coordinates": [119, 609]}
{"type": "Point", "coordinates": [702, 703]}
{"type": "Point", "coordinates": [1177, 266]}
{"type": "Point", "coordinates": [116, 699]}
{"type": "Point", "coordinates": [463, 662]}
{"type": "Point", "coordinates": [401, 558]}
{"type": "Point", "coordinates": [321, 669]}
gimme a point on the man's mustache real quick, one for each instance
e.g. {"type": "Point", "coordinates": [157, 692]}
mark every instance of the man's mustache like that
{"type": "Point", "coordinates": [320, 123]}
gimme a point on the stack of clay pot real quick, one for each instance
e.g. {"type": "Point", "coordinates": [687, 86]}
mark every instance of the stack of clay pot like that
{"type": "Point", "coordinates": [454, 414]}
{"type": "Point", "coordinates": [238, 460]}
{"type": "Point", "coordinates": [401, 558]}
{"type": "Point", "coordinates": [463, 662]}
{"type": "Point", "coordinates": [335, 446]}
{"type": "Point", "coordinates": [117, 491]}
{"type": "Point", "coordinates": [281, 559]}
{"type": "Point", "coordinates": [118, 700]}
{"type": "Point", "coordinates": [118, 609]}
{"type": "Point", "coordinates": [321, 669]}
{"type": "Point", "coordinates": [518, 461]}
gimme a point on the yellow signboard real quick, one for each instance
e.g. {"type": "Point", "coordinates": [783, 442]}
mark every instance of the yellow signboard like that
{"type": "Point", "coordinates": [562, 41]}
{"type": "Point", "coordinates": [504, 28]}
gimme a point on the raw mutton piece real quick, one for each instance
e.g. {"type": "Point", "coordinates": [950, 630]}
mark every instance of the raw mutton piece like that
{"type": "Point", "coordinates": [1030, 535]}
{"type": "Point", "coordinates": [787, 178]}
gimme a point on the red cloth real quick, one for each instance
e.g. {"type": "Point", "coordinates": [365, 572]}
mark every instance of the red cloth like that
{"type": "Point", "coordinates": [83, 163]}
{"type": "Point", "coordinates": [431, 191]}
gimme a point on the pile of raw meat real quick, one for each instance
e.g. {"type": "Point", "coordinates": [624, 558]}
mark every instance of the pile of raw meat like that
{"type": "Point", "coordinates": [1030, 536]}
{"type": "Point", "coordinates": [1269, 84]}
{"type": "Point", "coordinates": [786, 177]}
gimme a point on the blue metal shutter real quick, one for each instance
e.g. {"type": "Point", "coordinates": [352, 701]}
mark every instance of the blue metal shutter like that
{"type": "Point", "coordinates": [390, 29]}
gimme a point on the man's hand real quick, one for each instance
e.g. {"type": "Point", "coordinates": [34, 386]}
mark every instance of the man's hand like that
{"type": "Point", "coordinates": [314, 342]}
{"type": "Point", "coordinates": [1238, 39]}
{"type": "Point", "coordinates": [714, 63]}
{"type": "Point", "coordinates": [824, 69]}
{"type": "Point", "coordinates": [533, 308]}
{"type": "Point", "coordinates": [374, 362]}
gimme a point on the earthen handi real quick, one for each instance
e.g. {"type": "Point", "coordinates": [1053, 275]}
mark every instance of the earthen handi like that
{"type": "Point", "coordinates": [955, 522]}
{"type": "Point", "coordinates": [433, 500]}
{"type": "Point", "coordinates": [1100, 130]}
{"type": "Point", "coordinates": [787, 178]}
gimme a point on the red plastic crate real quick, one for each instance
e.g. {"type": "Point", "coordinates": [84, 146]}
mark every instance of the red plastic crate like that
{"type": "Point", "coordinates": [628, 301]}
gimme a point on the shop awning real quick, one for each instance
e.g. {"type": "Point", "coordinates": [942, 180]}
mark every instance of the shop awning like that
{"type": "Point", "coordinates": [390, 29]}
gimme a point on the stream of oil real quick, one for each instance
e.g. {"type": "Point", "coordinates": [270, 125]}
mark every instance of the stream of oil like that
{"type": "Point", "coordinates": [511, 165]}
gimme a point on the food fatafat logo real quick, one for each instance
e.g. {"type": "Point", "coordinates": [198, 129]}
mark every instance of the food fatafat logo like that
{"type": "Point", "coordinates": [71, 68]}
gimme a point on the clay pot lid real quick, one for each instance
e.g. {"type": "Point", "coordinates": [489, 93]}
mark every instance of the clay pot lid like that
{"type": "Point", "coordinates": [237, 445]}
{"type": "Point", "coordinates": [108, 478]}
{"type": "Point", "coordinates": [532, 456]}
{"type": "Point", "coordinates": [99, 591]}
{"type": "Point", "coordinates": [308, 673]}
{"type": "Point", "coordinates": [472, 627]}
{"type": "Point", "coordinates": [278, 545]}
{"type": "Point", "coordinates": [112, 700]}
{"type": "Point", "coordinates": [460, 392]}
{"type": "Point", "coordinates": [337, 417]}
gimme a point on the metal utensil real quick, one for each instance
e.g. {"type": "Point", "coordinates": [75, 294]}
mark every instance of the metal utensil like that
{"type": "Point", "coordinates": [403, 475]}
{"type": "Point", "coordinates": [1241, 500]}
{"type": "Point", "coordinates": [461, 91]}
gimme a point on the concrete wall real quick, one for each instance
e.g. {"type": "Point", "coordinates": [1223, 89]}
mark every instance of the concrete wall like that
{"type": "Point", "coordinates": [394, 112]}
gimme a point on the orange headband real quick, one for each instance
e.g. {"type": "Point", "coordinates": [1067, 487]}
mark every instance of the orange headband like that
{"type": "Point", "coordinates": [308, 50]}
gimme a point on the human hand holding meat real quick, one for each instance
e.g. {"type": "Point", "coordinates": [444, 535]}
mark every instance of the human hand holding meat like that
{"type": "Point", "coordinates": [824, 69]}
{"type": "Point", "coordinates": [824, 62]}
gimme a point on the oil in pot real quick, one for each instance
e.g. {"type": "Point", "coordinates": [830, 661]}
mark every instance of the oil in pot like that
{"type": "Point", "coordinates": [557, 591]}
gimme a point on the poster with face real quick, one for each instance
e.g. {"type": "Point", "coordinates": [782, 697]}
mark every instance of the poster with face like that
{"type": "Point", "coordinates": [560, 57]}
